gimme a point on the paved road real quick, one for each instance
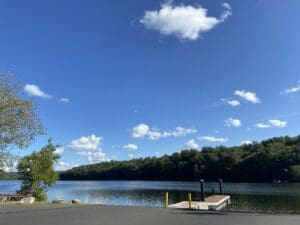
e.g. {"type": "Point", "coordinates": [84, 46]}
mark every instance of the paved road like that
{"type": "Point", "coordinates": [118, 215]}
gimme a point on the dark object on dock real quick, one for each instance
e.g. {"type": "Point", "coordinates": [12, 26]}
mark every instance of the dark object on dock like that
{"type": "Point", "coordinates": [212, 191]}
{"type": "Point", "coordinates": [221, 186]}
{"type": "Point", "coordinates": [202, 190]}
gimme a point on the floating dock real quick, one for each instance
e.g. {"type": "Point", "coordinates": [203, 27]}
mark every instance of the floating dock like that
{"type": "Point", "coordinates": [214, 202]}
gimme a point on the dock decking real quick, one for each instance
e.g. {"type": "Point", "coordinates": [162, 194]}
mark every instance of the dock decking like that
{"type": "Point", "coordinates": [214, 202]}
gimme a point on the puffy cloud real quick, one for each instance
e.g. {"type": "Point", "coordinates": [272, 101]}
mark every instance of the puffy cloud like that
{"type": "Point", "coordinates": [272, 123]}
{"type": "Point", "coordinates": [89, 147]}
{"type": "Point", "coordinates": [181, 131]}
{"type": "Point", "coordinates": [227, 6]}
{"type": "Point", "coordinates": [191, 144]}
{"type": "Point", "coordinates": [61, 166]}
{"type": "Point", "coordinates": [230, 122]}
{"type": "Point", "coordinates": [34, 90]}
{"type": "Point", "coordinates": [143, 130]}
{"type": "Point", "coordinates": [6, 168]}
{"type": "Point", "coordinates": [140, 130]}
{"type": "Point", "coordinates": [155, 135]}
{"type": "Point", "coordinates": [292, 90]}
{"type": "Point", "coordinates": [233, 102]}
{"type": "Point", "coordinates": [86, 143]}
{"type": "Point", "coordinates": [130, 147]}
{"type": "Point", "coordinates": [9, 166]}
{"type": "Point", "coordinates": [64, 100]}
{"type": "Point", "coordinates": [247, 142]}
{"type": "Point", "coordinates": [247, 95]}
{"type": "Point", "coordinates": [94, 156]}
{"type": "Point", "coordinates": [213, 139]}
{"type": "Point", "coordinates": [59, 150]}
{"type": "Point", "coordinates": [184, 21]}
{"type": "Point", "coordinates": [278, 123]}
{"type": "Point", "coordinates": [263, 125]}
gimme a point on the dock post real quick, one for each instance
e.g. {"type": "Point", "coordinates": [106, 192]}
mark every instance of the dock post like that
{"type": "Point", "coordinates": [221, 186]}
{"type": "Point", "coordinates": [202, 190]}
{"type": "Point", "coordinates": [166, 199]}
{"type": "Point", "coordinates": [190, 201]}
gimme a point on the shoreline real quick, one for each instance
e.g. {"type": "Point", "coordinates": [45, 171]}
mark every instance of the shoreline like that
{"type": "Point", "coordinates": [188, 181]}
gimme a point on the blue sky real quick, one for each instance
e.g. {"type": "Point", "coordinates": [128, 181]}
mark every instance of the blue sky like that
{"type": "Point", "coordinates": [143, 78]}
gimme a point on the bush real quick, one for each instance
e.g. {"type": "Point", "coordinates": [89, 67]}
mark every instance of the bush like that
{"type": "Point", "coordinates": [295, 173]}
{"type": "Point", "coordinates": [37, 172]}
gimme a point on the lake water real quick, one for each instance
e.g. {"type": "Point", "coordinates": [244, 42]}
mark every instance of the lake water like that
{"type": "Point", "coordinates": [258, 197]}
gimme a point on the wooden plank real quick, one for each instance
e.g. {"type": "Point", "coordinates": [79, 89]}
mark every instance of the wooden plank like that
{"type": "Point", "coordinates": [215, 202]}
{"type": "Point", "coordinates": [215, 198]}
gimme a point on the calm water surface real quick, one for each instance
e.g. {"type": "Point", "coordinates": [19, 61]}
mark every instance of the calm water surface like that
{"type": "Point", "coordinates": [264, 197]}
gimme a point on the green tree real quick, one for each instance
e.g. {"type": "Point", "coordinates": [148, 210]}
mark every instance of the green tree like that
{"type": "Point", "coordinates": [18, 122]}
{"type": "Point", "coordinates": [37, 171]}
{"type": "Point", "coordinates": [295, 173]}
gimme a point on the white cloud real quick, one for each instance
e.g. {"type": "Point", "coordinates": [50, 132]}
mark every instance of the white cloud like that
{"type": "Point", "coordinates": [130, 147]}
{"type": "Point", "coordinates": [5, 167]}
{"type": "Point", "coordinates": [34, 90]}
{"type": "Point", "coordinates": [191, 144]}
{"type": "Point", "coordinates": [9, 166]}
{"type": "Point", "coordinates": [213, 139]}
{"type": "Point", "coordinates": [184, 21]}
{"type": "Point", "coordinates": [181, 131]}
{"type": "Point", "coordinates": [94, 156]}
{"type": "Point", "coordinates": [61, 166]}
{"type": "Point", "coordinates": [230, 122]}
{"type": "Point", "coordinates": [143, 130]}
{"type": "Point", "coordinates": [64, 100]}
{"type": "Point", "coordinates": [278, 123]}
{"type": "Point", "coordinates": [246, 142]}
{"type": "Point", "coordinates": [233, 102]}
{"type": "Point", "coordinates": [247, 95]}
{"type": "Point", "coordinates": [263, 125]}
{"type": "Point", "coordinates": [292, 90]}
{"type": "Point", "coordinates": [227, 6]}
{"type": "Point", "coordinates": [272, 123]}
{"type": "Point", "coordinates": [89, 147]}
{"type": "Point", "coordinates": [140, 131]}
{"type": "Point", "coordinates": [155, 135]}
{"type": "Point", "coordinates": [91, 142]}
{"type": "Point", "coordinates": [59, 150]}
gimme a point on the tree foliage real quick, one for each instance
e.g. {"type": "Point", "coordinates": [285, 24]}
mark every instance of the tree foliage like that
{"type": "Point", "coordinates": [259, 162]}
{"type": "Point", "coordinates": [18, 122]}
{"type": "Point", "coordinates": [37, 172]}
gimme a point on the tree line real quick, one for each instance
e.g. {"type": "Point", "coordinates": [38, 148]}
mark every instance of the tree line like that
{"type": "Point", "coordinates": [276, 158]}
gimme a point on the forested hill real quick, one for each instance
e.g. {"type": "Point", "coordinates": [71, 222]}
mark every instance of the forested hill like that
{"type": "Point", "coordinates": [276, 158]}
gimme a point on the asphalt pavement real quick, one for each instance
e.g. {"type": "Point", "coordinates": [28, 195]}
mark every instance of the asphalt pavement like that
{"type": "Point", "coordinates": [126, 215]}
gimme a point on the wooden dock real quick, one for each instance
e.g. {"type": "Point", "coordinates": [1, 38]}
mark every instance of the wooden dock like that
{"type": "Point", "coordinates": [214, 202]}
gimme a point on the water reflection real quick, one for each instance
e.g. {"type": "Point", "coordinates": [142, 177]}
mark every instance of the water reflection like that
{"type": "Point", "coordinates": [246, 197]}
